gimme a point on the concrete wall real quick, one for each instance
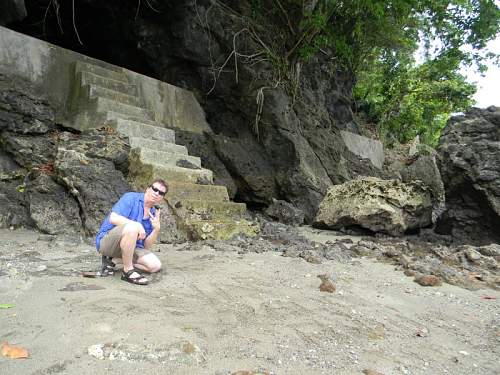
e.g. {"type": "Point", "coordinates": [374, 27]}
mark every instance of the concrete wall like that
{"type": "Point", "coordinates": [51, 71]}
{"type": "Point", "coordinates": [365, 147]}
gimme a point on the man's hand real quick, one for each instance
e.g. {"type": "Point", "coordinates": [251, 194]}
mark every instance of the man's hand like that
{"type": "Point", "coordinates": [155, 219]}
{"type": "Point", "coordinates": [142, 232]}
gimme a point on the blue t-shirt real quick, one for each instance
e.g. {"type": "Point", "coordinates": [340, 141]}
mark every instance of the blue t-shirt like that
{"type": "Point", "coordinates": [131, 206]}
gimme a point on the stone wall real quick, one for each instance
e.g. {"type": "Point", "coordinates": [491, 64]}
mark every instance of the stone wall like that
{"type": "Point", "coordinates": [51, 71]}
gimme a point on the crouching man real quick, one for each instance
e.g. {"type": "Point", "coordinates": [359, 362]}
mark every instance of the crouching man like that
{"type": "Point", "coordinates": [129, 231]}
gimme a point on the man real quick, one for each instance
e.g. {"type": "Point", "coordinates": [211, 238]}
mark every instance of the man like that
{"type": "Point", "coordinates": [129, 231]}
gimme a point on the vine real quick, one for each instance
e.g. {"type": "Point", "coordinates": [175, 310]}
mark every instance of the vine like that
{"type": "Point", "coordinates": [357, 36]}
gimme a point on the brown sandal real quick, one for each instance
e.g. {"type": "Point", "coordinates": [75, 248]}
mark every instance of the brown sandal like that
{"type": "Point", "coordinates": [138, 280]}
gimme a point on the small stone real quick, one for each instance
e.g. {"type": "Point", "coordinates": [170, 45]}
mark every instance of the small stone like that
{"type": "Point", "coordinates": [96, 351]}
{"type": "Point", "coordinates": [410, 273]}
{"type": "Point", "coordinates": [326, 284]}
{"type": "Point", "coordinates": [41, 268]}
{"type": "Point", "coordinates": [422, 332]}
{"type": "Point", "coordinates": [472, 255]}
{"type": "Point", "coordinates": [428, 280]}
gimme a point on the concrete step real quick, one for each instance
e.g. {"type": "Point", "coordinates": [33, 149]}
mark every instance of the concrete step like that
{"type": "Point", "coordinates": [102, 64]}
{"type": "Point", "coordinates": [219, 229]}
{"type": "Point", "coordinates": [196, 209]}
{"type": "Point", "coordinates": [105, 105]}
{"type": "Point", "coordinates": [112, 115]}
{"type": "Point", "coordinates": [174, 173]}
{"type": "Point", "coordinates": [142, 173]}
{"type": "Point", "coordinates": [94, 91]}
{"type": "Point", "coordinates": [134, 129]}
{"type": "Point", "coordinates": [165, 146]}
{"type": "Point", "coordinates": [178, 191]}
{"type": "Point", "coordinates": [81, 66]}
{"type": "Point", "coordinates": [88, 78]}
{"type": "Point", "coordinates": [148, 155]}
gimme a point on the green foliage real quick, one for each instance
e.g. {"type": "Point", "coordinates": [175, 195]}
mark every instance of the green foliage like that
{"type": "Point", "coordinates": [406, 100]}
{"type": "Point", "coordinates": [376, 40]}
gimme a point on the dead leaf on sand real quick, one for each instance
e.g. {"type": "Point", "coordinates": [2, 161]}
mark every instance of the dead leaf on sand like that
{"type": "Point", "coordinates": [188, 348]}
{"type": "Point", "coordinates": [14, 352]}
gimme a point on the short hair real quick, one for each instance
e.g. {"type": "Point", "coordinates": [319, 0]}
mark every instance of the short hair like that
{"type": "Point", "coordinates": [161, 182]}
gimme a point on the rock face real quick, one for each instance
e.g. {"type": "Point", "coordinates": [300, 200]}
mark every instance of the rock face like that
{"type": "Point", "coordinates": [386, 206]}
{"type": "Point", "coordinates": [56, 181]}
{"type": "Point", "coordinates": [12, 10]}
{"type": "Point", "coordinates": [294, 152]}
{"type": "Point", "coordinates": [469, 153]}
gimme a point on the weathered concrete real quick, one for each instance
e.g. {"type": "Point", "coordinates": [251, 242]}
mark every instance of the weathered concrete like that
{"type": "Point", "coordinates": [364, 147]}
{"type": "Point", "coordinates": [51, 70]}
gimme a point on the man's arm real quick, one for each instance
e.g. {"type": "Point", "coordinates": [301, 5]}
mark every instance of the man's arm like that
{"type": "Point", "coordinates": [153, 236]}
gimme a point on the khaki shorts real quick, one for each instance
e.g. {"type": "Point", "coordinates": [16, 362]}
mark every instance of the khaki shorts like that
{"type": "Point", "coordinates": [110, 244]}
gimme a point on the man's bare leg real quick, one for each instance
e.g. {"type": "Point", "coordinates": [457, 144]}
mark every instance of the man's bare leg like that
{"type": "Point", "coordinates": [127, 245]}
{"type": "Point", "coordinates": [149, 263]}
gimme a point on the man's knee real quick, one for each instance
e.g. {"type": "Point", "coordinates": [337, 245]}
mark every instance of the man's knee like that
{"type": "Point", "coordinates": [151, 262]}
{"type": "Point", "coordinates": [155, 265]}
{"type": "Point", "coordinates": [130, 229]}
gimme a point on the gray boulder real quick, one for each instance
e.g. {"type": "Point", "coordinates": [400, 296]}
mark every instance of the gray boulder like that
{"type": "Point", "coordinates": [469, 154]}
{"type": "Point", "coordinates": [285, 212]}
{"type": "Point", "coordinates": [387, 206]}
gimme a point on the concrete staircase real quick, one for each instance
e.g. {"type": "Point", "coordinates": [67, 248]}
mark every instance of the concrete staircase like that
{"type": "Point", "coordinates": [103, 96]}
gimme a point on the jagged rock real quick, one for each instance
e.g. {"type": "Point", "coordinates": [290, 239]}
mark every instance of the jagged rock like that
{"type": "Point", "coordinates": [387, 206]}
{"type": "Point", "coordinates": [469, 152]}
{"type": "Point", "coordinates": [285, 212]}
{"type": "Point", "coordinates": [14, 210]}
{"type": "Point", "coordinates": [492, 250]}
{"type": "Point", "coordinates": [30, 151]}
{"type": "Point", "coordinates": [94, 182]}
{"type": "Point", "coordinates": [52, 208]}
{"type": "Point", "coordinates": [12, 200]}
{"type": "Point", "coordinates": [21, 111]}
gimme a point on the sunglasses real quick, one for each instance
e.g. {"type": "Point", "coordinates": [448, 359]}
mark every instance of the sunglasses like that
{"type": "Point", "coordinates": [162, 193]}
